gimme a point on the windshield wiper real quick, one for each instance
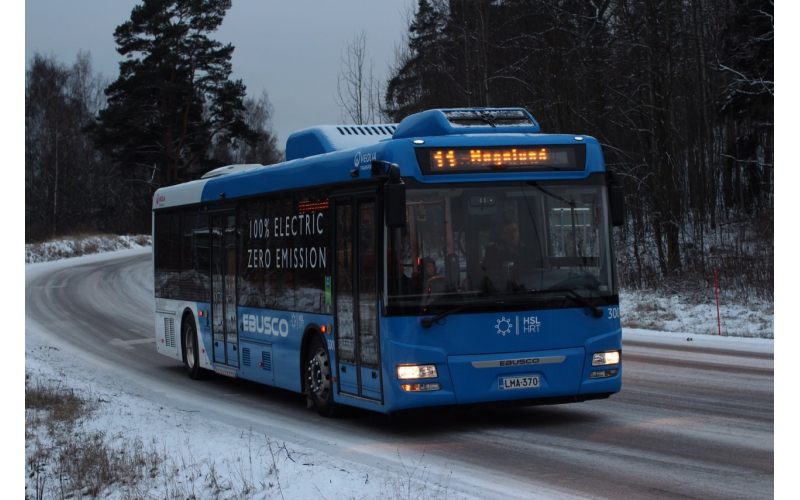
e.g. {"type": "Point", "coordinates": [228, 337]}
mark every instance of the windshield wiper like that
{"type": "Point", "coordinates": [572, 294]}
{"type": "Point", "coordinates": [427, 322]}
{"type": "Point", "coordinates": [565, 201]}
{"type": "Point", "coordinates": [568, 294]}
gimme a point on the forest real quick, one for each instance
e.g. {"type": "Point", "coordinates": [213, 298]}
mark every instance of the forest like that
{"type": "Point", "coordinates": [680, 93]}
{"type": "Point", "coordinates": [96, 150]}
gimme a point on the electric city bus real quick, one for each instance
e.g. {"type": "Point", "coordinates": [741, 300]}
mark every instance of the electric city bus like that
{"type": "Point", "coordinates": [459, 257]}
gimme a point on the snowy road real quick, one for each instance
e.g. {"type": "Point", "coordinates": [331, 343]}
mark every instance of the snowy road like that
{"type": "Point", "coordinates": [693, 420]}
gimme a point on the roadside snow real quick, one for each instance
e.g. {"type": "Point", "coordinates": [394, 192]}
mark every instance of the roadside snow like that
{"type": "Point", "coordinates": [651, 311]}
{"type": "Point", "coordinates": [228, 463]}
{"type": "Point", "coordinates": [75, 247]}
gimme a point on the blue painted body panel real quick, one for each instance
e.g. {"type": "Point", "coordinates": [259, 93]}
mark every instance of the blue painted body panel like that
{"type": "Point", "coordinates": [476, 385]}
{"type": "Point", "coordinates": [371, 383]}
{"type": "Point", "coordinates": [465, 338]}
{"type": "Point", "coordinates": [348, 379]}
{"type": "Point", "coordinates": [276, 333]}
{"type": "Point", "coordinates": [453, 345]}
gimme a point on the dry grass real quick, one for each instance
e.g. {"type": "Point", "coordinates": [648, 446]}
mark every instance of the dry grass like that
{"type": "Point", "coordinates": [647, 314]}
{"type": "Point", "coordinates": [68, 458]}
{"type": "Point", "coordinates": [53, 405]}
{"type": "Point", "coordinates": [64, 459]}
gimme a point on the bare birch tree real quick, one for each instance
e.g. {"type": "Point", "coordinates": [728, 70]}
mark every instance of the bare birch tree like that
{"type": "Point", "coordinates": [358, 92]}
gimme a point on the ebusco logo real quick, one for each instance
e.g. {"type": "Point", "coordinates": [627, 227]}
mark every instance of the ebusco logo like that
{"type": "Point", "coordinates": [265, 325]}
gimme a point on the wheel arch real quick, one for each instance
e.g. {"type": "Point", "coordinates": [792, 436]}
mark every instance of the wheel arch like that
{"type": "Point", "coordinates": [311, 330]}
{"type": "Point", "coordinates": [188, 315]}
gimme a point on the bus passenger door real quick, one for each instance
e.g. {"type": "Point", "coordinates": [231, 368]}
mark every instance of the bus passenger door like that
{"type": "Point", "coordinates": [224, 318]}
{"type": "Point", "coordinates": [356, 298]}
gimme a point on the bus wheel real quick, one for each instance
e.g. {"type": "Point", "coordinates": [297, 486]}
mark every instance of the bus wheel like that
{"type": "Point", "coordinates": [318, 378]}
{"type": "Point", "coordinates": [191, 354]}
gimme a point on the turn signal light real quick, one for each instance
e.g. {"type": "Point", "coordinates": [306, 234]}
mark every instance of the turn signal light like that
{"type": "Point", "coordinates": [422, 387]}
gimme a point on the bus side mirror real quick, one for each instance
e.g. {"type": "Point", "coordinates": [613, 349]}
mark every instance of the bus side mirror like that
{"type": "Point", "coordinates": [394, 199]}
{"type": "Point", "coordinates": [617, 200]}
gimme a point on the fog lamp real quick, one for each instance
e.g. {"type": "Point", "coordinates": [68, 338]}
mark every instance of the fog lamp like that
{"type": "Point", "coordinates": [603, 373]}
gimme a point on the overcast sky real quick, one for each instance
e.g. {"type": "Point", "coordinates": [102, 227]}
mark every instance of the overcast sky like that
{"type": "Point", "coordinates": [290, 48]}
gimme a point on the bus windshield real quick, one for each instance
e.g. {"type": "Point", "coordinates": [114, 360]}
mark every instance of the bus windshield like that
{"type": "Point", "coordinates": [500, 246]}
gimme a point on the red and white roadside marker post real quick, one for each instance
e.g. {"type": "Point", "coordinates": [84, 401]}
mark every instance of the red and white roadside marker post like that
{"type": "Point", "coordinates": [716, 291]}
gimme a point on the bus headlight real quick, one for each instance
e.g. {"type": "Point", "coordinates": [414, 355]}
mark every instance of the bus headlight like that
{"type": "Point", "coordinates": [406, 372]}
{"type": "Point", "coordinates": [605, 358]}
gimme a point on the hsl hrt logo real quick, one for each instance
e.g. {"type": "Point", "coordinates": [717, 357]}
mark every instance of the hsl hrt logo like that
{"type": "Point", "coordinates": [531, 324]}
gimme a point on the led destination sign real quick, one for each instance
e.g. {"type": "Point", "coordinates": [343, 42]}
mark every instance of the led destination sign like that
{"type": "Point", "coordinates": [494, 159]}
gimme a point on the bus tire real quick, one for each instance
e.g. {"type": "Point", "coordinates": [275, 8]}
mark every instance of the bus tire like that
{"type": "Point", "coordinates": [191, 350]}
{"type": "Point", "coordinates": [319, 384]}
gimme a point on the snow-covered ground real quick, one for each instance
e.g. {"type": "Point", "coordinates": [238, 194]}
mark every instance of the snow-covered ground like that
{"type": "Point", "coordinates": [234, 463]}
{"type": "Point", "coordinates": [88, 245]}
{"type": "Point", "coordinates": [653, 311]}
{"type": "Point", "coordinates": [229, 463]}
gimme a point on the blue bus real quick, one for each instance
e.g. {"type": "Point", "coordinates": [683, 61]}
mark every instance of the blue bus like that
{"type": "Point", "coordinates": [459, 257]}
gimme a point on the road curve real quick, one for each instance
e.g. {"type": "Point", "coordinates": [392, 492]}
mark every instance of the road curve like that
{"type": "Point", "coordinates": [690, 422]}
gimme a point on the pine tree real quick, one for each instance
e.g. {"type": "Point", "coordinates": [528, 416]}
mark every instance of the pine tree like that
{"type": "Point", "coordinates": [173, 99]}
{"type": "Point", "coordinates": [420, 77]}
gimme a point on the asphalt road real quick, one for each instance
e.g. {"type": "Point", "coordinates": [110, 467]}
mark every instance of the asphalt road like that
{"type": "Point", "coordinates": [690, 422]}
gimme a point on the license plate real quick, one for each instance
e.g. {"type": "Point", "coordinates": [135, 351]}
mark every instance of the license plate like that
{"type": "Point", "coordinates": [509, 383]}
